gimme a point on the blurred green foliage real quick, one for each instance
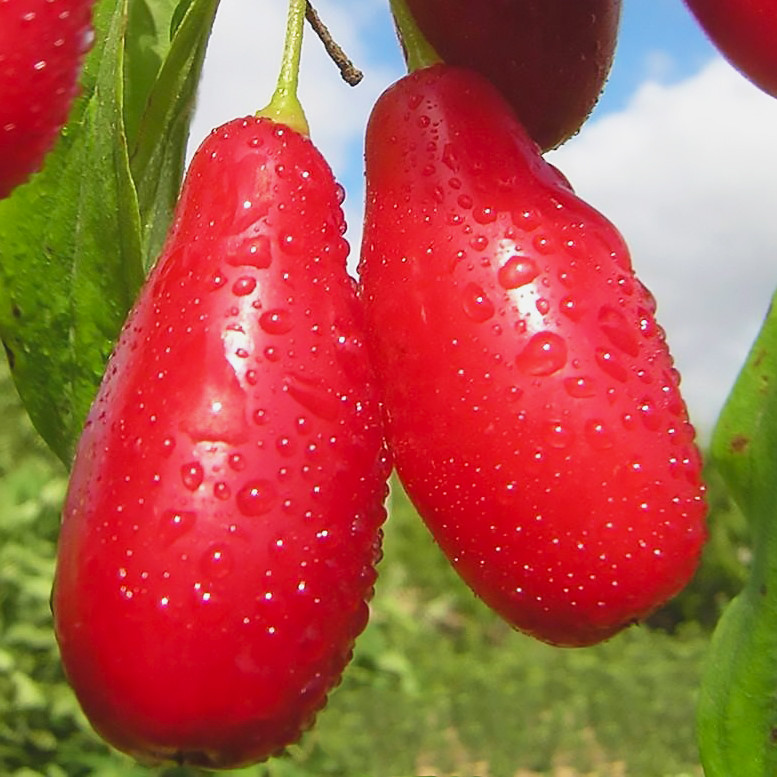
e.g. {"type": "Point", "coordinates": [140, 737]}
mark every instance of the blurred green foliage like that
{"type": "Point", "coordinates": [723, 569]}
{"type": "Point", "coordinates": [438, 684]}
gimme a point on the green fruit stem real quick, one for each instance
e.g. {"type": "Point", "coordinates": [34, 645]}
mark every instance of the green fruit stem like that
{"type": "Point", "coordinates": [284, 106]}
{"type": "Point", "coordinates": [419, 53]}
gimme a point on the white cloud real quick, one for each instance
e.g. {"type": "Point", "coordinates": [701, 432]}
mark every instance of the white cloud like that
{"type": "Point", "coordinates": [688, 172]}
{"type": "Point", "coordinates": [660, 65]}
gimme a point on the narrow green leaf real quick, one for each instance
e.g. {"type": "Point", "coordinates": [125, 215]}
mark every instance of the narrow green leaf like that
{"type": "Point", "coordinates": [146, 45]}
{"type": "Point", "coordinates": [737, 715]}
{"type": "Point", "coordinates": [70, 257]}
{"type": "Point", "coordinates": [158, 152]}
{"type": "Point", "coordinates": [75, 241]}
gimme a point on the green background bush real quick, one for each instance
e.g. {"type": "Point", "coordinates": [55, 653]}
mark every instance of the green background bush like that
{"type": "Point", "coordinates": [438, 684]}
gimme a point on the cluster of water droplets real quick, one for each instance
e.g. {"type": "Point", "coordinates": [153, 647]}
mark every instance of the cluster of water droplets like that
{"type": "Point", "coordinates": [559, 372]}
{"type": "Point", "coordinates": [284, 416]}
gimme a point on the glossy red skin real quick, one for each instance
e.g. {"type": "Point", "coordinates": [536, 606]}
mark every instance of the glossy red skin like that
{"type": "Point", "coordinates": [745, 31]}
{"type": "Point", "coordinates": [42, 46]}
{"type": "Point", "coordinates": [223, 516]}
{"type": "Point", "coordinates": [549, 58]}
{"type": "Point", "coordinates": [532, 408]}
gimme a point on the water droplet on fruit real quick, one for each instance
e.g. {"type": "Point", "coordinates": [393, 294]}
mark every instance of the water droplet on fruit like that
{"type": "Point", "coordinates": [276, 322]}
{"type": "Point", "coordinates": [570, 308]}
{"type": "Point", "coordinates": [543, 306]}
{"type": "Point", "coordinates": [597, 434]}
{"type": "Point", "coordinates": [253, 252]}
{"type": "Point", "coordinates": [479, 243]}
{"type": "Point", "coordinates": [168, 446]}
{"type": "Point", "coordinates": [484, 215]}
{"type": "Point", "coordinates": [610, 364]}
{"type": "Point", "coordinates": [256, 497]}
{"type": "Point", "coordinates": [243, 286]}
{"type": "Point", "coordinates": [216, 563]}
{"type": "Point", "coordinates": [217, 281]}
{"type": "Point", "coordinates": [191, 475]}
{"type": "Point", "coordinates": [557, 435]}
{"type": "Point", "coordinates": [289, 244]}
{"type": "Point", "coordinates": [647, 324]}
{"type": "Point", "coordinates": [649, 299]}
{"type": "Point", "coordinates": [174, 524]}
{"type": "Point", "coordinates": [527, 220]}
{"type": "Point", "coordinates": [237, 462]}
{"type": "Point", "coordinates": [517, 271]}
{"type": "Point", "coordinates": [644, 376]}
{"type": "Point", "coordinates": [616, 328]}
{"type": "Point", "coordinates": [449, 157]}
{"type": "Point", "coordinates": [649, 414]}
{"type": "Point", "coordinates": [286, 446]}
{"type": "Point", "coordinates": [222, 491]}
{"type": "Point", "coordinates": [580, 388]}
{"type": "Point", "coordinates": [543, 244]}
{"type": "Point", "coordinates": [568, 277]}
{"type": "Point", "coordinates": [544, 354]}
{"type": "Point", "coordinates": [476, 304]}
{"type": "Point", "coordinates": [626, 285]}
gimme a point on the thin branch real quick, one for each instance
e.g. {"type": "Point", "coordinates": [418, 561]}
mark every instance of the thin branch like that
{"type": "Point", "coordinates": [350, 73]}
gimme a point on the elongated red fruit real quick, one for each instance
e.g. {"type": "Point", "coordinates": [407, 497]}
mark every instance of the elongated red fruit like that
{"type": "Point", "coordinates": [223, 517]}
{"type": "Point", "coordinates": [532, 406]}
{"type": "Point", "coordinates": [42, 45]}
{"type": "Point", "coordinates": [549, 58]}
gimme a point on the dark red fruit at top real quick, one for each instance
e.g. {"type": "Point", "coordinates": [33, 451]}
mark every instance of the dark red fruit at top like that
{"type": "Point", "coordinates": [223, 517]}
{"type": "Point", "coordinates": [745, 31]}
{"type": "Point", "coordinates": [532, 408]}
{"type": "Point", "coordinates": [42, 45]}
{"type": "Point", "coordinates": [549, 58]}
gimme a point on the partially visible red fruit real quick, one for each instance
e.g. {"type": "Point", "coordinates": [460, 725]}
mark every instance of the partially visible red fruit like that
{"type": "Point", "coordinates": [42, 46]}
{"type": "Point", "coordinates": [223, 517]}
{"type": "Point", "coordinates": [745, 31]}
{"type": "Point", "coordinates": [549, 58]}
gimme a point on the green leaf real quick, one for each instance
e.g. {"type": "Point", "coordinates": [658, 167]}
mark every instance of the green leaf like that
{"type": "Point", "coordinates": [75, 241]}
{"type": "Point", "coordinates": [146, 45]}
{"type": "Point", "coordinates": [158, 150]}
{"type": "Point", "coordinates": [737, 714]}
{"type": "Point", "coordinates": [70, 260]}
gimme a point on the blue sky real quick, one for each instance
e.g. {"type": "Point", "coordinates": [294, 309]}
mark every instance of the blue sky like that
{"type": "Point", "coordinates": [657, 39]}
{"type": "Point", "coordinates": [679, 154]}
